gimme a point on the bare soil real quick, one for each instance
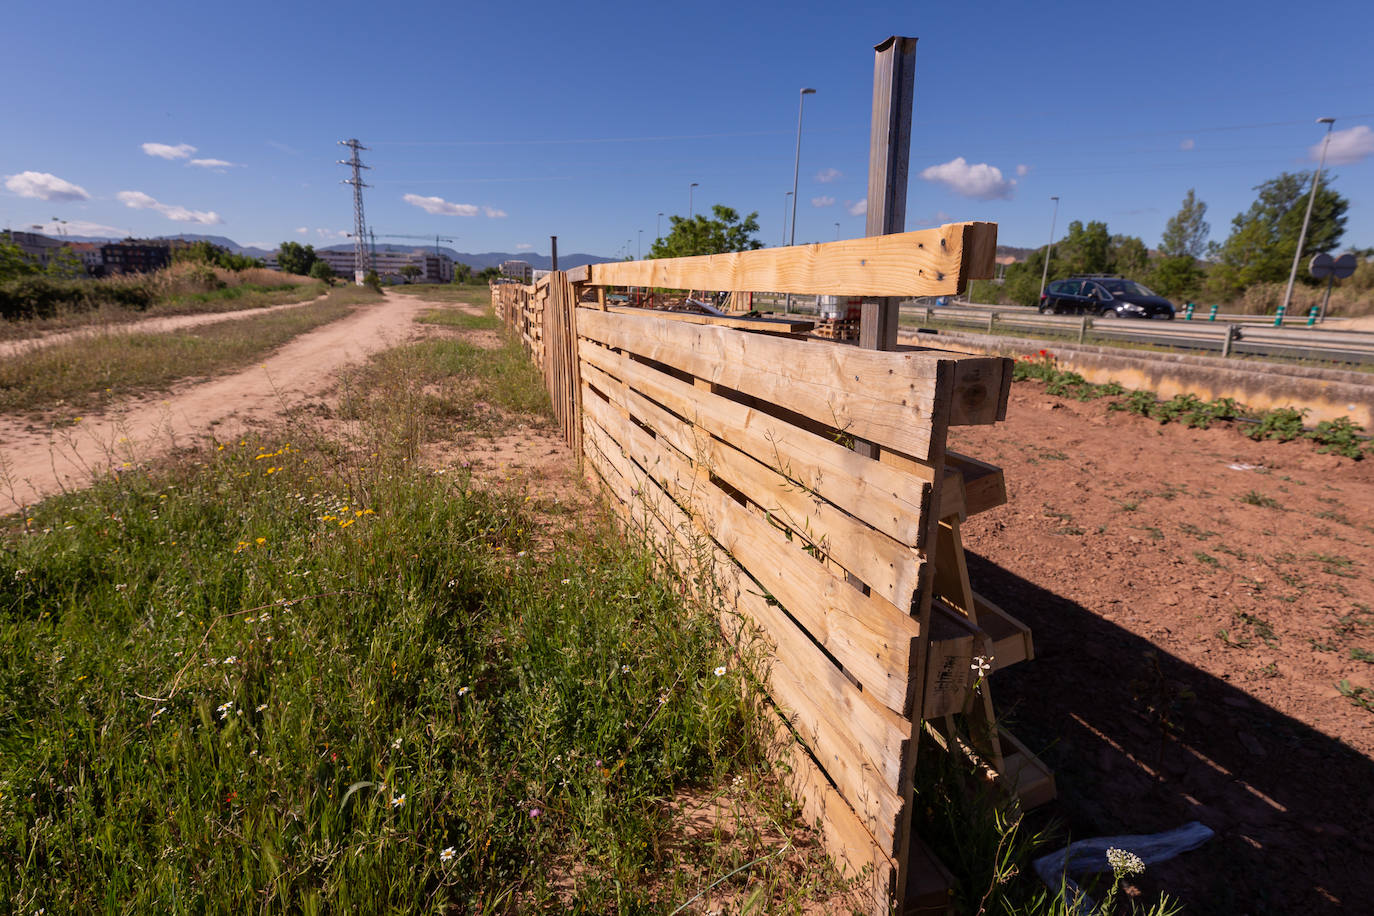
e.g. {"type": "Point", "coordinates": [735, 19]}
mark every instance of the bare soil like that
{"type": "Point", "coordinates": [38, 461]}
{"type": "Point", "coordinates": [1196, 598]}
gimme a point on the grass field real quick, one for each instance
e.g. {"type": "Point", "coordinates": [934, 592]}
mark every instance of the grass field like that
{"type": "Point", "coordinates": [87, 370]}
{"type": "Point", "coordinates": [304, 673]}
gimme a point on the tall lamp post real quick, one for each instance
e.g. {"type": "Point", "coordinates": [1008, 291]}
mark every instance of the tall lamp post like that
{"type": "Point", "coordinates": [691, 207]}
{"type": "Point", "coordinates": [658, 227]}
{"type": "Point", "coordinates": [1311, 198]}
{"type": "Point", "coordinates": [796, 169]}
{"type": "Point", "coordinates": [639, 255]}
{"type": "Point", "coordinates": [1044, 274]}
{"type": "Point", "coordinates": [837, 232]}
{"type": "Point", "coordinates": [785, 196]}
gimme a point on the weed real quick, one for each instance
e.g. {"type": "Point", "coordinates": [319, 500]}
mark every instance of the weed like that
{"type": "Point", "coordinates": [1260, 626]}
{"type": "Point", "coordinates": [1206, 559]}
{"type": "Point", "coordinates": [1283, 424]}
{"type": "Point", "coordinates": [1256, 498]}
{"type": "Point", "coordinates": [1321, 646]}
{"type": "Point", "coordinates": [1235, 642]}
{"type": "Point", "coordinates": [1141, 403]}
{"type": "Point", "coordinates": [1358, 654]}
{"type": "Point", "coordinates": [1270, 670]}
{"type": "Point", "coordinates": [1339, 436]}
{"type": "Point", "coordinates": [1362, 697]}
{"type": "Point", "coordinates": [1194, 531]}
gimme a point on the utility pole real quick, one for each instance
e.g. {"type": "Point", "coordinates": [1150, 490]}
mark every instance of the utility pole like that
{"type": "Point", "coordinates": [361, 262]}
{"type": "Point", "coordinates": [1045, 274]}
{"type": "Point", "coordinates": [691, 207]}
{"type": "Point", "coordinates": [785, 196]}
{"type": "Point", "coordinates": [1311, 199]}
{"type": "Point", "coordinates": [553, 249]}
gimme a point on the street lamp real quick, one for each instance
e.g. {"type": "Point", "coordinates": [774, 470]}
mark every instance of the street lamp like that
{"type": "Point", "coordinates": [785, 195]}
{"type": "Point", "coordinates": [837, 231]}
{"type": "Point", "coordinates": [691, 211]}
{"type": "Point", "coordinates": [1044, 274]}
{"type": "Point", "coordinates": [658, 226]}
{"type": "Point", "coordinates": [640, 250]}
{"type": "Point", "coordinates": [1311, 198]}
{"type": "Point", "coordinates": [796, 168]}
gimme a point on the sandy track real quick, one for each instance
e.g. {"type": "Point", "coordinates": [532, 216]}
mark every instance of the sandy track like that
{"type": "Point", "coordinates": [35, 463]}
{"type": "Point", "coordinates": [146, 326]}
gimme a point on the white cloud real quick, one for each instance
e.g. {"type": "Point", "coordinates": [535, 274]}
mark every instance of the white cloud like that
{"type": "Point", "coordinates": [45, 186]}
{"type": "Point", "coordinates": [1347, 146]}
{"type": "Point", "coordinates": [81, 227]}
{"type": "Point", "coordinates": [163, 151]}
{"type": "Point", "coordinates": [940, 218]}
{"type": "Point", "coordinates": [825, 176]}
{"type": "Point", "coordinates": [858, 207]}
{"type": "Point", "coordinates": [332, 233]}
{"type": "Point", "coordinates": [493, 213]}
{"type": "Point", "coordinates": [137, 200]}
{"type": "Point", "coordinates": [524, 246]}
{"type": "Point", "coordinates": [212, 163]}
{"type": "Point", "coordinates": [302, 230]}
{"type": "Point", "coordinates": [1022, 170]}
{"type": "Point", "coordinates": [441, 207]}
{"type": "Point", "coordinates": [823, 201]}
{"type": "Point", "coordinates": [978, 180]}
{"type": "Point", "coordinates": [1187, 143]}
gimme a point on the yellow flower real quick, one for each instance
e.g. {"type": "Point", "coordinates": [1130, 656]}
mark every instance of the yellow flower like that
{"type": "Point", "coordinates": [346, 523]}
{"type": "Point", "coordinates": [262, 540]}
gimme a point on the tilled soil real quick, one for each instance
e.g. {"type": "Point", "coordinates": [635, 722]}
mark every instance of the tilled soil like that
{"type": "Point", "coordinates": [1196, 600]}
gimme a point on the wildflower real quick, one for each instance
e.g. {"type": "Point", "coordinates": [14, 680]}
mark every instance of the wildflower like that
{"type": "Point", "coordinates": [345, 523]}
{"type": "Point", "coordinates": [261, 540]}
{"type": "Point", "coordinates": [982, 665]}
{"type": "Point", "coordinates": [1123, 862]}
{"type": "Point", "coordinates": [261, 707]}
{"type": "Point", "coordinates": [462, 691]}
{"type": "Point", "coordinates": [624, 669]}
{"type": "Point", "coordinates": [120, 587]}
{"type": "Point", "coordinates": [225, 709]}
{"type": "Point", "coordinates": [536, 812]}
{"type": "Point", "coordinates": [663, 700]}
{"type": "Point", "coordinates": [396, 745]}
{"type": "Point", "coordinates": [231, 659]}
{"type": "Point", "coordinates": [566, 581]}
{"type": "Point", "coordinates": [446, 855]}
{"type": "Point", "coordinates": [720, 671]}
{"type": "Point", "coordinates": [160, 711]}
{"type": "Point", "coordinates": [398, 802]}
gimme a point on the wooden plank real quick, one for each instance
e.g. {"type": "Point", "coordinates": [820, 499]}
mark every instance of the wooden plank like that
{"type": "Point", "coordinates": [953, 643]}
{"type": "Point", "coordinates": [980, 252]}
{"type": "Point", "coordinates": [984, 485]}
{"type": "Point", "coordinates": [1010, 638]}
{"type": "Point", "coordinates": [890, 498]}
{"type": "Point", "coordinates": [874, 640]}
{"type": "Point", "coordinates": [887, 398]}
{"type": "Point", "coordinates": [929, 884]}
{"type": "Point", "coordinates": [928, 262]}
{"type": "Point", "coordinates": [767, 325]}
{"type": "Point", "coordinates": [860, 743]}
{"type": "Point", "coordinates": [978, 384]}
{"type": "Point", "coordinates": [886, 565]}
{"type": "Point", "coordinates": [581, 274]}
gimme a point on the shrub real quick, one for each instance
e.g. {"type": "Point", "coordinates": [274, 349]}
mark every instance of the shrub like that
{"type": "Point", "coordinates": [1283, 424]}
{"type": "Point", "coordinates": [1339, 436]}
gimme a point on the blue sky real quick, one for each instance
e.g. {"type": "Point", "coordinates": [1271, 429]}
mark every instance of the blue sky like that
{"type": "Point", "coordinates": [498, 125]}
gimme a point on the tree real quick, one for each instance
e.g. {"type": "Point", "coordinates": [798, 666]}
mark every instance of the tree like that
{"type": "Point", "coordinates": [1130, 257]}
{"type": "Point", "coordinates": [1263, 239]}
{"type": "Point", "coordinates": [410, 272]}
{"type": "Point", "coordinates": [1086, 249]}
{"type": "Point", "coordinates": [462, 273]}
{"type": "Point", "coordinates": [488, 274]}
{"type": "Point", "coordinates": [702, 235]}
{"type": "Point", "coordinates": [371, 279]}
{"type": "Point", "coordinates": [321, 270]}
{"type": "Point", "coordinates": [1187, 230]}
{"type": "Point", "coordinates": [14, 262]}
{"type": "Point", "coordinates": [295, 258]}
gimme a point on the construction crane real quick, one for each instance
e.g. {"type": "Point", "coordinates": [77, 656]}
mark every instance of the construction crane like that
{"type": "Point", "coordinates": [392, 235]}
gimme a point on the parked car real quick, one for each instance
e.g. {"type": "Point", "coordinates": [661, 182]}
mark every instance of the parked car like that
{"type": "Point", "coordinates": [1105, 297]}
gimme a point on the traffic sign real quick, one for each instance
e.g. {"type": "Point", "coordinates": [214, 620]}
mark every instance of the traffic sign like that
{"type": "Point", "coordinates": [1323, 266]}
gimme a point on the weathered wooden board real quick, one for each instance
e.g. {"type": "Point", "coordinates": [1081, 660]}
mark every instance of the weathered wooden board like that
{"type": "Point", "coordinates": [766, 325]}
{"type": "Point", "coordinates": [891, 499]}
{"type": "Point", "coordinates": [929, 262]}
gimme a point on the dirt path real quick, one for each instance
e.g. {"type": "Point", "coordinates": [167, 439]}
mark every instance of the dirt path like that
{"type": "Point", "coordinates": [146, 326]}
{"type": "Point", "coordinates": [1196, 598]}
{"type": "Point", "coordinates": [40, 462]}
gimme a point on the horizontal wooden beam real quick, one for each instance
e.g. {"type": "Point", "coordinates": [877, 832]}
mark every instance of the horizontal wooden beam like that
{"type": "Point", "coordinates": [928, 262]}
{"type": "Point", "coordinates": [739, 322]}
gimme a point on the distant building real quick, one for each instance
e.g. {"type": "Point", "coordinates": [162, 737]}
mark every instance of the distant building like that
{"type": "Point", "coordinates": [517, 270]}
{"type": "Point", "coordinates": [38, 248]}
{"type": "Point", "coordinates": [434, 268]}
{"type": "Point", "coordinates": [91, 258]}
{"type": "Point", "coordinates": [134, 256]}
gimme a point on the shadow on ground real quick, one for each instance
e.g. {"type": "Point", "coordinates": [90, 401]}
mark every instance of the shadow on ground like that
{"type": "Point", "coordinates": [1292, 808]}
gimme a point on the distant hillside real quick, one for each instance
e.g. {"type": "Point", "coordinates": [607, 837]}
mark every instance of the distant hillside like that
{"type": "Point", "coordinates": [1019, 253]}
{"type": "Point", "coordinates": [494, 258]}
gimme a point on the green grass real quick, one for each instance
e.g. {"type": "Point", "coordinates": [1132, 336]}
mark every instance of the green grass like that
{"type": "Point", "coordinates": [475, 294]}
{"type": "Point", "coordinates": [462, 321]}
{"type": "Point", "coordinates": [84, 371]}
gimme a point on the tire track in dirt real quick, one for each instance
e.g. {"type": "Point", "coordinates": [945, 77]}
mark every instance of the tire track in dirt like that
{"type": "Point", "coordinates": [37, 462]}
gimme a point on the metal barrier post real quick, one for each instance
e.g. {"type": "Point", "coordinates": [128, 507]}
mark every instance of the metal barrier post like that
{"type": "Point", "coordinates": [1213, 316]}
{"type": "Point", "coordinates": [1278, 316]}
{"type": "Point", "coordinates": [1232, 335]}
{"type": "Point", "coordinates": [992, 319]}
{"type": "Point", "coordinates": [1083, 329]}
{"type": "Point", "coordinates": [1188, 312]}
{"type": "Point", "coordinates": [1312, 316]}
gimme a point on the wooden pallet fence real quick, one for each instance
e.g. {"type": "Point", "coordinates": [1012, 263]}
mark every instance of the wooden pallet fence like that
{"type": "Point", "coordinates": [727, 444]}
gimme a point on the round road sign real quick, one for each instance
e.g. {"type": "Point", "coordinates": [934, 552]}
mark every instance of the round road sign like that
{"type": "Point", "coordinates": [1323, 265]}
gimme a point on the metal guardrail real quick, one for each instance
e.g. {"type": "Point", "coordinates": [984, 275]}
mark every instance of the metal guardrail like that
{"type": "Point", "coordinates": [1229, 338]}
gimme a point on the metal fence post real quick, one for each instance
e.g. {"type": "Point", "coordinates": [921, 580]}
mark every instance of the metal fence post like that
{"type": "Point", "coordinates": [1232, 335]}
{"type": "Point", "coordinates": [1083, 329]}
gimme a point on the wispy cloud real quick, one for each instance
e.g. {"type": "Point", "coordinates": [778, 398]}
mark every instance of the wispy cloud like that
{"type": "Point", "coordinates": [45, 186]}
{"type": "Point", "coordinates": [1023, 170]}
{"type": "Point", "coordinates": [1347, 146]}
{"type": "Point", "coordinates": [978, 180]}
{"type": "Point", "coordinates": [137, 200]}
{"type": "Point", "coordinates": [493, 213]}
{"type": "Point", "coordinates": [163, 151]}
{"type": "Point", "coordinates": [524, 246]}
{"type": "Point", "coordinates": [825, 176]}
{"type": "Point", "coordinates": [940, 218]}
{"type": "Point", "coordinates": [219, 164]}
{"type": "Point", "coordinates": [81, 227]}
{"type": "Point", "coordinates": [1187, 144]}
{"type": "Point", "coordinates": [823, 201]}
{"type": "Point", "coordinates": [302, 230]}
{"type": "Point", "coordinates": [441, 207]}
{"type": "Point", "coordinates": [331, 234]}
{"type": "Point", "coordinates": [858, 207]}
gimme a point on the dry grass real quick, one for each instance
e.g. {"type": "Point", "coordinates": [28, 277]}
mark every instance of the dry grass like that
{"type": "Point", "coordinates": [90, 369]}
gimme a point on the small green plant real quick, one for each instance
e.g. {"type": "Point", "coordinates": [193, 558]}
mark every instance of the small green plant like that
{"type": "Point", "coordinates": [1206, 558]}
{"type": "Point", "coordinates": [1141, 403]}
{"type": "Point", "coordinates": [1321, 646]}
{"type": "Point", "coordinates": [1340, 437]}
{"type": "Point", "coordinates": [1358, 654]}
{"type": "Point", "coordinates": [1362, 697]}
{"type": "Point", "coordinates": [1261, 627]}
{"type": "Point", "coordinates": [1283, 424]}
{"type": "Point", "coordinates": [1256, 498]}
{"type": "Point", "coordinates": [1194, 531]}
{"type": "Point", "coordinates": [1236, 642]}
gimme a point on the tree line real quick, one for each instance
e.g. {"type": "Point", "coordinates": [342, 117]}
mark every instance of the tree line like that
{"type": "Point", "coordinates": [1187, 266]}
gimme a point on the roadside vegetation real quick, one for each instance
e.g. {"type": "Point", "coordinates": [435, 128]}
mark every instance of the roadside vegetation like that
{"type": "Point", "coordinates": [1283, 424]}
{"type": "Point", "coordinates": [115, 362]}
